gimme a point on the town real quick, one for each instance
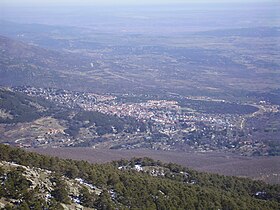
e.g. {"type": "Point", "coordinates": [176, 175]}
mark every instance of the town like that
{"type": "Point", "coordinates": [168, 126]}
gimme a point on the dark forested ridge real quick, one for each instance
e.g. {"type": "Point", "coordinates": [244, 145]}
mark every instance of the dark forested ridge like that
{"type": "Point", "coordinates": [135, 184]}
{"type": "Point", "coordinates": [22, 108]}
{"type": "Point", "coordinates": [217, 107]}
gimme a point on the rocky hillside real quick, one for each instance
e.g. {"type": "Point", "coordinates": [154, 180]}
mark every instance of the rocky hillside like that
{"type": "Point", "coordinates": [43, 188]}
{"type": "Point", "coordinates": [32, 181]}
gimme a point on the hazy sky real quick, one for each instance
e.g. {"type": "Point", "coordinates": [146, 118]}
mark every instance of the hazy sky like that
{"type": "Point", "coordinates": [111, 2]}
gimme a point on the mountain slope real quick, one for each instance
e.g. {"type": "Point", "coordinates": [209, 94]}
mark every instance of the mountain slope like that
{"type": "Point", "coordinates": [16, 107]}
{"type": "Point", "coordinates": [41, 187]}
{"type": "Point", "coordinates": [137, 184]}
{"type": "Point", "coordinates": [25, 64]}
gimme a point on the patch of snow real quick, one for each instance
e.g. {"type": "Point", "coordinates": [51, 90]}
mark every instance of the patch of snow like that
{"type": "Point", "coordinates": [48, 195]}
{"type": "Point", "coordinates": [161, 192]}
{"type": "Point", "coordinates": [193, 182]}
{"type": "Point", "coordinates": [76, 200]}
{"type": "Point", "coordinates": [122, 167]}
{"type": "Point", "coordinates": [260, 193]}
{"type": "Point", "coordinates": [138, 168]}
{"type": "Point", "coordinates": [81, 181]}
{"type": "Point", "coordinates": [113, 194]}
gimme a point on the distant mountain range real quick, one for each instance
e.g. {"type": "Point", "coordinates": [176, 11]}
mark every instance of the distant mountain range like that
{"type": "Point", "coordinates": [50, 57]}
{"type": "Point", "coordinates": [244, 32]}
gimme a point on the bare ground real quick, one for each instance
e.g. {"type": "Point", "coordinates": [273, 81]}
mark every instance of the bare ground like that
{"type": "Point", "coordinates": [261, 168]}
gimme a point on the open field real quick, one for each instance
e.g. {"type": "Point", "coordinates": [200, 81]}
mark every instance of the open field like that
{"type": "Point", "coordinates": [261, 168]}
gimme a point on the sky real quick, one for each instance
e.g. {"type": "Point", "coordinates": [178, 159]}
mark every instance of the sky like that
{"type": "Point", "coordinates": [20, 3]}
